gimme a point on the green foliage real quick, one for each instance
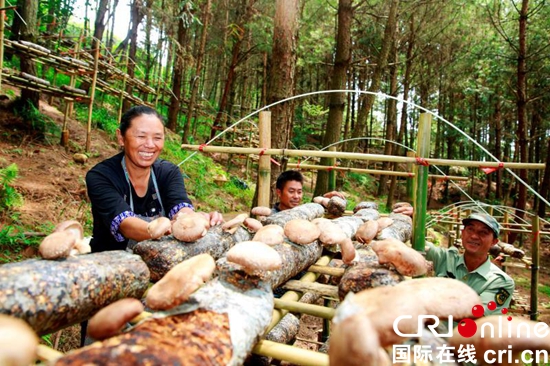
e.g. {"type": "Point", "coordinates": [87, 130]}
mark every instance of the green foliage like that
{"type": "Point", "coordinates": [41, 124]}
{"type": "Point", "coordinates": [9, 197]}
{"type": "Point", "coordinates": [102, 117]}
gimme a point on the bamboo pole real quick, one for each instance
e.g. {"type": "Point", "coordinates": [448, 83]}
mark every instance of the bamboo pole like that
{"type": "Point", "coordinates": [331, 271]}
{"type": "Point", "coordinates": [92, 95]}
{"type": "Point", "coordinates": [121, 99]}
{"type": "Point", "coordinates": [264, 168]}
{"type": "Point", "coordinates": [535, 259]}
{"type": "Point", "coordinates": [322, 289]}
{"type": "Point", "coordinates": [309, 309]}
{"type": "Point", "coordinates": [294, 355]}
{"type": "Point", "coordinates": [45, 353]}
{"type": "Point", "coordinates": [410, 181]}
{"type": "Point", "coordinates": [68, 106]}
{"type": "Point", "coordinates": [373, 171]}
{"type": "Point", "coordinates": [421, 201]}
{"type": "Point", "coordinates": [504, 226]}
{"type": "Point", "coordinates": [358, 156]}
{"type": "Point", "coordinates": [2, 12]}
{"type": "Point", "coordinates": [502, 229]}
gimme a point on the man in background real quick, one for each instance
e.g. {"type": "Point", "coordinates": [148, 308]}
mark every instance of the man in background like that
{"type": "Point", "coordinates": [289, 189]}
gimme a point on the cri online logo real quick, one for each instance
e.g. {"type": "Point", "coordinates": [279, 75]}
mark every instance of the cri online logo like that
{"type": "Point", "coordinates": [468, 327]}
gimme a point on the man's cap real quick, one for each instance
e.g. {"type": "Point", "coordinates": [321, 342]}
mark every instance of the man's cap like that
{"type": "Point", "coordinates": [486, 219]}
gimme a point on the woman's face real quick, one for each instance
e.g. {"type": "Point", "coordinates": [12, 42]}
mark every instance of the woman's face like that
{"type": "Point", "coordinates": [143, 140]}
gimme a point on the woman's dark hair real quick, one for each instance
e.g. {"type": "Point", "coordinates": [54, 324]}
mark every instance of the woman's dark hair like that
{"type": "Point", "coordinates": [128, 117]}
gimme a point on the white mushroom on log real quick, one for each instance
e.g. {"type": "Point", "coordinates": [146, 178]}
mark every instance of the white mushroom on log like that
{"type": "Point", "coordinates": [367, 231]}
{"type": "Point", "coordinates": [252, 225]}
{"type": "Point", "coordinates": [254, 257]}
{"type": "Point", "coordinates": [180, 282]}
{"type": "Point", "coordinates": [190, 227]}
{"type": "Point", "coordinates": [331, 234]}
{"type": "Point", "coordinates": [18, 342]}
{"type": "Point", "coordinates": [405, 259]}
{"type": "Point", "coordinates": [159, 227]}
{"type": "Point", "coordinates": [110, 320]}
{"type": "Point", "coordinates": [270, 235]}
{"type": "Point", "coordinates": [384, 222]}
{"type": "Point", "coordinates": [232, 225]}
{"type": "Point", "coordinates": [301, 231]}
{"type": "Point", "coordinates": [349, 254]}
{"type": "Point", "coordinates": [64, 241]}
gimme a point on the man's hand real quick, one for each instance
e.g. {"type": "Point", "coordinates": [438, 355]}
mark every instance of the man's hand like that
{"type": "Point", "coordinates": [405, 210]}
{"type": "Point", "coordinates": [334, 193]}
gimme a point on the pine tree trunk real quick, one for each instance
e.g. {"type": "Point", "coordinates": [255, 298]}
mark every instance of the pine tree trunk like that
{"type": "Point", "coordinates": [333, 133]}
{"type": "Point", "coordinates": [195, 80]}
{"type": "Point", "coordinates": [29, 12]}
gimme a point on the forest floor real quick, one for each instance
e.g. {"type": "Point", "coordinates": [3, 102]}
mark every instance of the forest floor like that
{"type": "Point", "coordinates": [53, 189]}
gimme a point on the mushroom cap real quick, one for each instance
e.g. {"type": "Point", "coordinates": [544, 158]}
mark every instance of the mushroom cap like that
{"type": "Point", "coordinates": [252, 225]}
{"type": "Point", "coordinates": [190, 227]}
{"type": "Point", "coordinates": [405, 259]}
{"type": "Point", "coordinates": [72, 226]}
{"type": "Point", "coordinates": [180, 282]}
{"type": "Point", "coordinates": [158, 227]}
{"type": "Point", "coordinates": [415, 297]}
{"type": "Point", "coordinates": [331, 233]}
{"type": "Point", "coordinates": [110, 320]}
{"type": "Point", "coordinates": [270, 234]}
{"type": "Point", "coordinates": [254, 256]}
{"type": "Point", "coordinates": [18, 342]}
{"type": "Point", "coordinates": [364, 204]}
{"type": "Point", "coordinates": [367, 231]}
{"type": "Point", "coordinates": [301, 231]}
{"type": "Point", "coordinates": [384, 222]}
{"type": "Point", "coordinates": [57, 245]}
{"type": "Point", "coordinates": [261, 211]}
{"type": "Point", "coordinates": [234, 222]}
{"type": "Point", "coordinates": [348, 251]}
{"type": "Point", "coordinates": [521, 334]}
{"type": "Point", "coordinates": [400, 204]}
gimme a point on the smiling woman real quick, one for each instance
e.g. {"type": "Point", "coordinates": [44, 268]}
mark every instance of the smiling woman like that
{"type": "Point", "coordinates": [134, 187]}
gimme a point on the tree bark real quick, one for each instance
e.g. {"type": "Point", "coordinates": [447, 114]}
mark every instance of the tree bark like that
{"type": "Point", "coordinates": [177, 96]}
{"type": "Point", "coordinates": [521, 103]}
{"type": "Point", "coordinates": [136, 16]}
{"type": "Point", "coordinates": [235, 53]}
{"type": "Point", "coordinates": [28, 32]}
{"type": "Point", "coordinates": [389, 34]}
{"type": "Point", "coordinates": [195, 80]}
{"type": "Point", "coordinates": [325, 179]}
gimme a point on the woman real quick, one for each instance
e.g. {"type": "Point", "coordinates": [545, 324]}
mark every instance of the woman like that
{"type": "Point", "coordinates": [132, 188]}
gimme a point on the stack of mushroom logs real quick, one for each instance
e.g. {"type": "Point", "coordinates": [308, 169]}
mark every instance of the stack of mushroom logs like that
{"type": "Point", "coordinates": [198, 320]}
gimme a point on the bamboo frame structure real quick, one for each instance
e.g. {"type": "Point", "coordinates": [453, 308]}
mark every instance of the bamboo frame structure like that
{"type": "Point", "coordinates": [372, 171]}
{"type": "Point", "coordinates": [358, 156]}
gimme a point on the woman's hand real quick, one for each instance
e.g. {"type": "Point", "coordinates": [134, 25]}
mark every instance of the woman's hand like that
{"type": "Point", "coordinates": [216, 218]}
